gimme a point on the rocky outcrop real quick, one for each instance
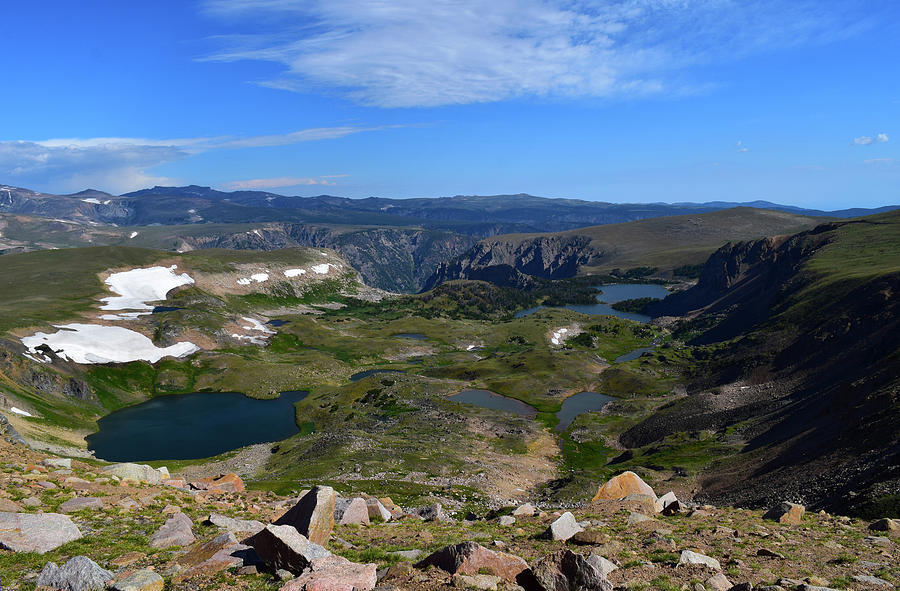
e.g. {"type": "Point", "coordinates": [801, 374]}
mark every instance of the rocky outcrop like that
{"type": "Point", "coordinates": [508, 262]}
{"type": "Point", "coordinates": [471, 558]}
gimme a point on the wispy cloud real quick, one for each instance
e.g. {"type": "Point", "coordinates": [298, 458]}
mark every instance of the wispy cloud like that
{"type": "Point", "coordinates": [865, 140]}
{"type": "Point", "coordinates": [409, 53]}
{"type": "Point", "coordinates": [880, 161]}
{"type": "Point", "coordinates": [122, 164]}
{"type": "Point", "coordinates": [740, 147]}
{"type": "Point", "coordinates": [284, 181]}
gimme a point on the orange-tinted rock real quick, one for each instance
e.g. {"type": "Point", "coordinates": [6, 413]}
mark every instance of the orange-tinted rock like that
{"type": "Point", "coordinates": [470, 558]}
{"type": "Point", "coordinates": [226, 483]}
{"type": "Point", "coordinates": [789, 513]}
{"type": "Point", "coordinates": [335, 573]}
{"type": "Point", "coordinates": [619, 487]}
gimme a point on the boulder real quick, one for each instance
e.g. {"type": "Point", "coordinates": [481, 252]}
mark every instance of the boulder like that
{"type": "Point", "coordinates": [78, 574]}
{"type": "Point", "coordinates": [565, 570]}
{"type": "Point", "coordinates": [788, 513]}
{"type": "Point", "coordinates": [220, 553]}
{"type": "Point", "coordinates": [589, 538]}
{"type": "Point", "coordinates": [481, 582]}
{"type": "Point", "coordinates": [142, 580]}
{"type": "Point", "coordinates": [134, 473]}
{"type": "Point", "coordinates": [506, 520]}
{"type": "Point", "coordinates": [313, 515]}
{"type": "Point", "coordinates": [128, 504]}
{"type": "Point", "coordinates": [80, 503]}
{"type": "Point", "coordinates": [224, 483]}
{"type": "Point", "coordinates": [351, 511]}
{"type": "Point", "coordinates": [393, 508]}
{"type": "Point", "coordinates": [28, 532]}
{"type": "Point", "coordinates": [282, 546]}
{"type": "Point", "coordinates": [662, 502]}
{"type": "Point", "coordinates": [335, 573]}
{"type": "Point", "coordinates": [563, 528]}
{"type": "Point", "coordinates": [688, 558]}
{"type": "Point", "coordinates": [470, 558]}
{"type": "Point", "coordinates": [635, 518]}
{"type": "Point", "coordinates": [9, 506]}
{"type": "Point", "coordinates": [892, 526]}
{"type": "Point", "coordinates": [621, 486]}
{"type": "Point", "coordinates": [870, 580]}
{"type": "Point", "coordinates": [526, 510]}
{"type": "Point", "coordinates": [605, 566]}
{"type": "Point", "coordinates": [377, 510]}
{"type": "Point", "coordinates": [718, 582]}
{"type": "Point", "coordinates": [61, 463]}
{"type": "Point", "coordinates": [176, 531]}
{"type": "Point", "coordinates": [433, 513]}
{"type": "Point", "coordinates": [250, 526]}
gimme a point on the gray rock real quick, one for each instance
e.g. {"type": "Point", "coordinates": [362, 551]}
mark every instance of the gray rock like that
{"type": "Point", "coordinates": [688, 557]}
{"type": "Point", "coordinates": [870, 580]}
{"type": "Point", "coordinates": [32, 502]}
{"type": "Point", "coordinates": [78, 574]}
{"type": "Point", "coordinates": [407, 555]}
{"type": "Point", "coordinates": [481, 582]}
{"type": "Point", "coordinates": [250, 526]}
{"type": "Point", "coordinates": [892, 526]}
{"type": "Point", "coordinates": [718, 582]}
{"type": "Point", "coordinates": [605, 566]}
{"type": "Point", "coordinates": [351, 511]}
{"type": "Point", "coordinates": [176, 531]}
{"type": "Point", "coordinates": [665, 500]}
{"type": "Point", "coordinates": [136, 472]}
{"type": "Point", "coordinates": [808, 587]}
{"type": "Point", "coordinates": [563, 528]}
{"type": "Point", "coordinates": [506, 520]}
{"type": "Point", "coordinates": [377, 510]}
{"type": "Point", "coordinates": [27, 532]}
{"type": "Point", "coordinates": [635, 518]}
{"type": "Point", "coordinates": [282, 546]}
{"type": "Point", "coordinates": [80, 503]}
{"type": "Point", "coordinates": [565, 569]}
{"type": "Point", "coordinates": [283, 574]}
{"type": "Point", "coordinates": [526, 510]}
{"type": "Point", "coordinates": [879, 541]}
{"type": "Point", "coordinates": [64, 463]}
{"type": "Point", "coordinates": [142, 580]}
{"type": "Point", "coordinates": [433, 513]}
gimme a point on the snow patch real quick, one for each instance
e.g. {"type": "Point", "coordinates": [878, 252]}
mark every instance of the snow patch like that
{"type": "Point", "coordinates": [256, 325]}
{"type": "Point", "coordinates": [139, 286]}
{"type": "Point", "coordinates": [260, 277]}
{"type": "Point", "coordinates": [294, 272]}
{"type": "Point", "coordinates": [19, 411]}
{"type": "Point", "coordinates": [249, 338]}
{"type": "Point", "coordinates": [557, 337]}
{"type": "Point", "coordinates": [93, 343]}
{"type": "Point", "coordinates": [133, 234]}
{"type": "Point", "coordinates": [93, 200]}
{"type": "Point", "coordinates": [321, 269]}
{"type": "Point", "coordinates": [243, 281]}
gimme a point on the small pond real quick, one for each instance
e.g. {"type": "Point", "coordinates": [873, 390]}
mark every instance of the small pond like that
{"type": "Point", "coordinates": [190, 426]}
{"type": "Point", "coordinates": [488, 399]}
{"type": "Point", "coordinates": [612, 294]}
{"type": "Point", "coordinates": [277, 322]}
{"type": "Point", "coordinates": [371, 372]}
{"type": "Point", "coordinates": [578, 404]}
{"type": "Point", "coordinates": [417, 336]}
{"type": "Point", "coordinates": [161, 309]}
{"type": "Point", "coordinates": [632, 354]}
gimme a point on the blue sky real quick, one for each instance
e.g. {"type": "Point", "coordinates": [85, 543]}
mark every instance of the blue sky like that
{"type": "Point", "coordinates": [629, 101]}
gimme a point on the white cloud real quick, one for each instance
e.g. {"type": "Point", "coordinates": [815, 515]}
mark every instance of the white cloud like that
{"type": "Point", "coordinates": [409, 53]}
{"type": "Point", "coordinates": [121, 164]}
{"type": "Point", "coordinates": [740, 147]}
{"type": "Point", "coordinates": [271, 183]}
{"type": "Point", "coordinates": [865, 140]}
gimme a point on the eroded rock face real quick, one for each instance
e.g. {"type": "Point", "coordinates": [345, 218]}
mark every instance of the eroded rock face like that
{"type": "Point", "coordinates": [789, 513]}
{"type": "Point", "coordinates": [282, 546]}
{"type": "Point", "coordinates": [29, 532]}
{"type": "Point", "coordinates": [626, 483]}
{"type": "Point", "coordinates": [78, 574]}
{"type": "Point", "coordinates": [564, 570]}
{"type": "Point", "coordinates": [176, 531]}
{"type": "Point", "coordinates": [470, 558]}
{"type": "Point", "coordinates": [313, 515]}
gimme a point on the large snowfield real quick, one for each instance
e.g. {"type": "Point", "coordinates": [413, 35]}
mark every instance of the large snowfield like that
{"type": "Point", "coordinates": [91, 343]}
{"type": "Point", "coordinates": [139, 286]}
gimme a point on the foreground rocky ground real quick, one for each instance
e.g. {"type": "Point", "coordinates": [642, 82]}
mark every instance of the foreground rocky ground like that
{"type": "Point", "coordinates": [132, 529]}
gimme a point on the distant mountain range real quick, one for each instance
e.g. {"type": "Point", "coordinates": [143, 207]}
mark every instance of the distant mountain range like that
{"type": "Point", "coordinates": [397, 244]}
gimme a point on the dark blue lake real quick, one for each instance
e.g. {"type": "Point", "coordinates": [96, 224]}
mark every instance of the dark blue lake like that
{"type": "Point", "coordinates": [488, 399]}
{"type": "Point", "coordinates": [190, 426]}
{"type": "Point", "coordinates": [578, 404]}
{"type": "Point", "coordinates": [612, 294]}
{"type": "Point", "coordinates": [371, 372]}
{"type": "Point", "coordinates": [416, 336]}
